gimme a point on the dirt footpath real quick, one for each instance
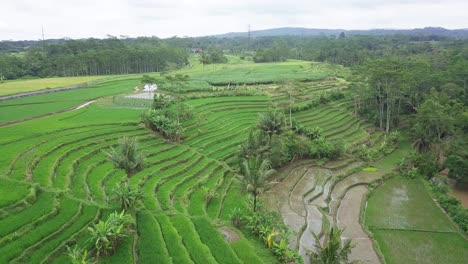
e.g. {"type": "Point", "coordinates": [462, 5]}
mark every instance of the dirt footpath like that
{"type": "Point", "coordinates": [348, 218]}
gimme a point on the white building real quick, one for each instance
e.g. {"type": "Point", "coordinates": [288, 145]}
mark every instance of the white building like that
{"type": "Point", "coordinates": [150, 87]}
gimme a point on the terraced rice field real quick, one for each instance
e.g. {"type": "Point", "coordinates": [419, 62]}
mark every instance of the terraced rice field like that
{"type": "Point", "coordinates": [55, 180]}
{"type": "Point", "coordinates": [40, 105]}
{"type": "Point", "coordinates": [63, 182]}
{"type": "Point", "coordinates": [302, 92]}
{"type": "Point", "coordinates": [311, 197]}
{"type": "Point", "coordinates": [336, 122]}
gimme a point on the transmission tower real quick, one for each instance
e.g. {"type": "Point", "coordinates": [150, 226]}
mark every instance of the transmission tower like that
{"type": "Point", "coordinates": [248, 39]}
{"type": "Point", "coordinates": [43, 39]}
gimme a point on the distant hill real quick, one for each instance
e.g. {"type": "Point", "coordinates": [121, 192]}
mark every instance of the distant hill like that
{"type": "Point", "coordinates": [289, 31]}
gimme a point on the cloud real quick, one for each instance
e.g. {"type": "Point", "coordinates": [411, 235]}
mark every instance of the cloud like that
{"type": "Point", "coordinates": [22, 19]}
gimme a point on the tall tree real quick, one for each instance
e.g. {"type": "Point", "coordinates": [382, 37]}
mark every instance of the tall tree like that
{"type": "Point", "coordinates": [459, 71]}
{"type": "Point", "coordinates": [271, 122]}
{"type": "Point", "coordinates": [435, 119]}
{"type": "Point", "coordinates": [384, 81]}
{"type": "Point", "coordinates": [255, 173]}
{"type": "Point", "coordinates": [420, 137]}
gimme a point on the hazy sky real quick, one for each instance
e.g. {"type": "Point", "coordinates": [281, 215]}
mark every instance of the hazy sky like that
{"type": "Point", "coordinates": [22, 19]}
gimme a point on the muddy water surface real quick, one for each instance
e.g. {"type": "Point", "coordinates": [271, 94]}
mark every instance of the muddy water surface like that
{"type": "Point", "coordinates": [460, 191]}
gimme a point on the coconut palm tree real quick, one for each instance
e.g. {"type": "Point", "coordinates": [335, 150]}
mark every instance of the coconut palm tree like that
{"type": "Point", "coordinates": [333, 250]}
{"type": "Point", "coordinates": [255, 174]}
{"type": "Point", "coordinates": [421, 138]}
{"type": "Point", "coordinates": [127, 156]}
{"type": "Point", "coordinates": [271, 122]}
{"type": "Point", "coordinates": [256, 144]}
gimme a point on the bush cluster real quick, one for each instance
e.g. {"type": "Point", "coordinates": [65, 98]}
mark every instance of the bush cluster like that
{"type": "Point", "coordinates": [386, 146]}
{"type": "Point", "coordinates": [270, 229]}
{"type": "Point", "coordinates": [318, 146]}
{"type": "Point", "coordinates": [223, 91]}
{"type": "Point", "coordinates": [104, 236]}
{"type": "Point", "coordinates": [160, 121]}
{"type": "Point", "coordinates": [322, 148]}
{"type": "Point", "coordinates": [323, 98]}
{"type": "Point", "coordinates": [165, 117]}
{"type": "Point", "coordinates": [272, 140]}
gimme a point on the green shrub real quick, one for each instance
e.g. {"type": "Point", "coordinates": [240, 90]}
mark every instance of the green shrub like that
{"type": "Point", "coordinates": [451, 205]}
{"type": "Point", "coordinates": [322, 148]}
{"type": "Point", "coordinates": [163, 122]}
{"type": "Point", "coordinates": [236, 217]}
{"type": "Point", "coordinates": [411, 173]}
{"type": "Point", "coordinates": [78, 255]}
{"type": "Point", "coordinates": [427, 164]}
{"type": "Point", "coordinates": [270, 228]}
{"type": "Point", "coordinates": [105, 235]}
{"type": "Point", "coordinates": [458, 167]}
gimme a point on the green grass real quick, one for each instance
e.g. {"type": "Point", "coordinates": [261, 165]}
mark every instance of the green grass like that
{"type": "Point", "coordinates": [173, 240]}
{"type": "Point", "coordinates": [47, 248]}
{"type": "Point", "coordinates": [43, 206]}
{"type": "Point", "coordinates": [12, 192]}
{"type": "Point", "coordinates": [263, 73]}
{"type": "Point", "coordinates": [407, 206]}
{"type": "Point", "coordinates": [246, 252]}
{"type": "Point", "coordinates": [68, 208]}
{"type": "Point", "coordinates": [151, 248]}
{"type": "Point", "coordinates": [21, 86]}
{"type": "Point", "coordinates": [199, 252]}
{"type": "Point", "coordinates": [370, 169]}
{"type": "Point", "coordinates": [222, 252]}
{"type": "Point", "coordinates": [399, 246]}
{"type": "Point", "coordinates": [410, 228]}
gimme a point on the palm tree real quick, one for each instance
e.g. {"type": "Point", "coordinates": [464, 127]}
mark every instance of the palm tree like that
{"type": "Point", "coordinates": [127, 195]}
{"type": "Point", "coordinates": [333, 250]}
{"type": "Point", "coordinates": [255, 175]}
{"type": "Point", "coordinates": [256, 144]}
{"type": "Point", "coordinates": [127, 156]}
{"type": "Point", "coordinates": [421, 138]}
{"type": "Point", "coordinates": [271, 122]}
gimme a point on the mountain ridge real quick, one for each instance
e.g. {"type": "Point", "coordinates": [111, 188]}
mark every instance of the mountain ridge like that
{"type": "Point", "coordinates": [302, 31]}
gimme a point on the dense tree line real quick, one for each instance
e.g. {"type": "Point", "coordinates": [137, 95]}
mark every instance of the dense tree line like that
{"type": "Point", "coordinates": [93, 57]}
{"type": "Point", "coordinates": [278, 52]}
{"type": "Point", "coordinates": [136, 55]}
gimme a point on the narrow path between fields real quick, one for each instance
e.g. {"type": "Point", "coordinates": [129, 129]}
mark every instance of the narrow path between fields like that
{"type": "Point", "coordinates": [348, 218]}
